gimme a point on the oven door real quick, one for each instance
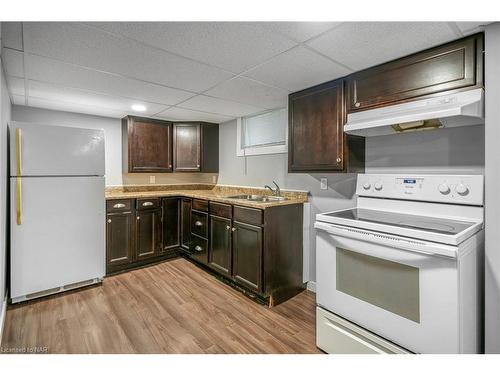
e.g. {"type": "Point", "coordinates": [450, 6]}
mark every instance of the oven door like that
{"type": "Point", "coordinates": [398, 288]}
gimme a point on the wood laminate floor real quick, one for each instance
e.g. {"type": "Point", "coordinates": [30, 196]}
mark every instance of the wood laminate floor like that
{"type": "Point", "coordinates": [171, 307]}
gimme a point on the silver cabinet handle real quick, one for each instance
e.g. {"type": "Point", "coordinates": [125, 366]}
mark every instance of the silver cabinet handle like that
{"type": "Point", "coordinates": [146, 204]}
{"type": "Point", "coordinates": [109, 220]}
{"type": "Point", "coordinates": [198, 223]}
{"type": "Point", "coordinates": [339, 160]}
{"type": "Point", "coordinates": [233, 229]}
{"type": "Point", "coordinates": [198, 248]}
{"type": "Point", "coordinates": [228, 227]}
{"type": "Point", "coordinates": [118, 205]}
{"type": "Point", "coordinates": [138, 218]}
{"type": "Point", "coordinates": [357, 104]}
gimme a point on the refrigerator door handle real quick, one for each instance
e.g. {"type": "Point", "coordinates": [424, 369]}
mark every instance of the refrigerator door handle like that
{"type": "Point", "coordinates": [19, 208]}
{"type": "Point", "coordinates": [18, 152]}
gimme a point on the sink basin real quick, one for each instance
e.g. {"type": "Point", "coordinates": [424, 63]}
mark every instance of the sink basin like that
{"type": "Point", "coordinates": [259, 198]}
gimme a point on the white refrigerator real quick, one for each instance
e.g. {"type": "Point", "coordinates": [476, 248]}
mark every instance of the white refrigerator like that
{"type": "Point", "coordinates": [57, 209]}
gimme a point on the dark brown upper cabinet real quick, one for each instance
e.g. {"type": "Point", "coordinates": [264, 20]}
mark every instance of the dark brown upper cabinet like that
{"type": "Point", "coordinates": [196, 147]}
{"type": "Point", "coordinates": [316, 118]}
{"type": "Point", "coordinates": [187, 147]}
{"type": "Point", "coordinates": [147, 145]}
{"type": "Point", "coordinates": [451, 67]}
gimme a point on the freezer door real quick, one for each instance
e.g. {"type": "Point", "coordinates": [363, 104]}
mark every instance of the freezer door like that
{"type": "Point", "coordinates": [42, 150]}
{"type": "Point", "coordinates": [60, 238]}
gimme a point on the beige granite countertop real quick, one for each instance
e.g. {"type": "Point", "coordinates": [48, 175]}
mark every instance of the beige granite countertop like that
{"type": "Point", "coordinates": [216, 193]}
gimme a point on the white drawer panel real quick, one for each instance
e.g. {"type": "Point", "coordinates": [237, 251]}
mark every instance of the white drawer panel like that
{"type": "Point", "coordinates": [335, 335]}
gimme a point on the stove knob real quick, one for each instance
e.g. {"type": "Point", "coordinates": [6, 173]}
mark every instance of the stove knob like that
{"type": "Point", "coordinates": [366, 185]}
{"type": "Point", "coordinates": [462, 189]}
{"type": "Point", "coordinates": [378, 186]}
{"type": "Point", "coordinates": [444, 189]}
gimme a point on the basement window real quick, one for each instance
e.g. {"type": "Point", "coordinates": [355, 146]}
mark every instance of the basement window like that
{"type": "Point", "coordinates": [265, 133]}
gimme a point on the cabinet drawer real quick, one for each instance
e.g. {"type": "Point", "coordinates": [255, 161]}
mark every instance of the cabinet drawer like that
{"type": "Point", "coordinates": [200, 205]}
{"type": "Point", "coordinates": [148, 204]}
{"type": "Point", "coordinates": [119, 205]}
{"type": "Point", "coordinates": [336, 335]}
{"type": "Point", "coordinates": [222, 210]}
{"type": "Point", "coordinates": [199, 223]}
{"type": "Point", "coordinates": [248, 215]}
{"type": "Point", "coordinates": [199, 249]}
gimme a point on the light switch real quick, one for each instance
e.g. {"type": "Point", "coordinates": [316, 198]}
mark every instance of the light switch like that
{"type": "Point", "coordinates": [324, 184]}
{"type": "Point", "coordinates": [152, 179]}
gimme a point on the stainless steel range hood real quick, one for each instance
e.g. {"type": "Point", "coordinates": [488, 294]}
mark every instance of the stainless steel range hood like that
{"type": "Point", "coordinates": [458, 109]}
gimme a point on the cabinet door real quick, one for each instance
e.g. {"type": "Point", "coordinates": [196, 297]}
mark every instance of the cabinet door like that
{"type": "Point", "coordinates": [247, 255]}
{"type": "Point", "coordinates": [219, 255]}
{"type": "Point", "coordinates": [187, 147]}
{"type": "Point", "coordinates": [316, 122]}
{"type": "Point", "coordinates": [185, 223]}
{"type": "Point", "coordinates": [449, 67]}
{"type": "Point", "coordinates": [148, 233]}
{"type": "Point", "coordinates": [149, 145]}
{"type": "Point", "coordinates": [171, 222]}
{"type": "Point", "coordinates": [119, 238]}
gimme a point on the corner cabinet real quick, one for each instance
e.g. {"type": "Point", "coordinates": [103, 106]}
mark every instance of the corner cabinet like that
{"type": "Point", "coordinates": [196, 147]}
{"type": "Point", "coordinates": [316, 141]}
{"type": "Point", "coordinates": [147, 145]}
{"type": "Point", "coordinates": [156, 146]}
{"type": "Point", "coordinates": [450, 67]}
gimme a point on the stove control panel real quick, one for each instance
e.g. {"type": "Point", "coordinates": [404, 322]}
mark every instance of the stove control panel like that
{"type": "Point", "coordinates": [457, 189]}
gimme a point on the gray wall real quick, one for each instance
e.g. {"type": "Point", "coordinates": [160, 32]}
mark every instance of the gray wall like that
{"type": "Point", "coordinates": [112, 130]}
{"type": "Point", "coordinates": [492, 168]}
{"type": "Point", "coordinates": [5, 109]}
{"type": "Point", "coordinates": [458, 150]}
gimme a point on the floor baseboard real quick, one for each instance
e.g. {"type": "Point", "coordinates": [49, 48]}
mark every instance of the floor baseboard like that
{"type": "Point", "coordinates": [311, 286]}
{"type": "Point", "coordinates": [3, 313]}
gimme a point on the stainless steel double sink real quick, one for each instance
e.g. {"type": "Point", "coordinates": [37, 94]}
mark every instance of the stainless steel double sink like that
{"type": "Point", "coordinates": [259, 198]}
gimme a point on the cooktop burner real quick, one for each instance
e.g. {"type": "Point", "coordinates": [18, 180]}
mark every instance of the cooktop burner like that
{"type": "Point", "coordinates": [423, 223]}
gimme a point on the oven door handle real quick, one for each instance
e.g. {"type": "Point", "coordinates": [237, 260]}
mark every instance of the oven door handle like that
{"type": "Point", "coordinates": [384, 239]}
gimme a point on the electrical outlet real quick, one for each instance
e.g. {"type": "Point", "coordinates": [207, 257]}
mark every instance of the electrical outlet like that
{"type": "Point", "coordinates": [324, 184]}
{"type": "Point", "coordinates": [214, 179]}
{"type": "Point", "coordinates": [152, 179]}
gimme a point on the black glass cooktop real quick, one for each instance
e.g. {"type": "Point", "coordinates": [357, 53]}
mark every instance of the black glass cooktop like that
{"type": "Point", "coordinates": [423, 223]}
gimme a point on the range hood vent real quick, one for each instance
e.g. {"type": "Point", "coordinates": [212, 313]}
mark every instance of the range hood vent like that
{"type": "Point", "coordinates": [458, 109]}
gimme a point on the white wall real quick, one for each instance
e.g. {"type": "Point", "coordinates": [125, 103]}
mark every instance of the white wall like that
{"type": "Point", "coordinates": [5, 109]}
{"type": "Point", "coordinates": [451, 151]}
{"type": "Point", "coordinates": [112, 130]}
{"type": "Point", "coordinates": [492, 167]}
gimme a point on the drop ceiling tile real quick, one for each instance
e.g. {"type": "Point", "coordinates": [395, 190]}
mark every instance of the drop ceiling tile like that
{"type": "Point", "coordinates": [251, 92]}
{"type": "Point", "coordinates": [297, 69]}
{"type": "Point", "coordinates": [221, 106]}
{"type": "Point", "coordinates": [235, 46]}
{"type": "Point", "coordinates": [18, 99]}
{"type": "Point", "coordinates": [12, 35]}
{"type": "Point", "coordinates": [182, 114]}
{"type": "Point", "coordinates": [88, 99]}
{"type": "Point", "coordinates": [470, 27]}
{"type": "Point", "coordinates": [300, 31]}
{"type": "Point", "coordinates": [361, 45]}
{"type": "Point", "coordinates": [74, 107]}
{"type": "Point", "coordinates": [13, 62]}
{"type": "Point", "coordinates": [54, 71]}
{"type": "Point", "coordinates": [15, 85]}
{"type": "Point", "coordinates": [97, 49]}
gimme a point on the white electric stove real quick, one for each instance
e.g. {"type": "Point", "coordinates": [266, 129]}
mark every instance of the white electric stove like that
{"type": "Point", "coordinates": [402, 271]}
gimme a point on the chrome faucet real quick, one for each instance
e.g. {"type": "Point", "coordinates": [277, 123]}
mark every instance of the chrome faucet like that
{"type": "Point", "coordinates": [276, 192]}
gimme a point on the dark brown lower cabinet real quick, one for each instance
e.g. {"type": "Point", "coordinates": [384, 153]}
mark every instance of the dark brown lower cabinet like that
{"type": "Point", "coordinates": [171, 223]}
{"type": "Point", "coordinates": [119, 237]}
{"type": "Point", "coordinates": [219, 255]}
{"type": "Point", "coordinates": [148, 233]}
{"type": "Point", "coordinates": [247, 255]}
{"type": "Point", "coordinates": [186, 204]}
{"type": "Point", "coordinates": [257, 250]}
